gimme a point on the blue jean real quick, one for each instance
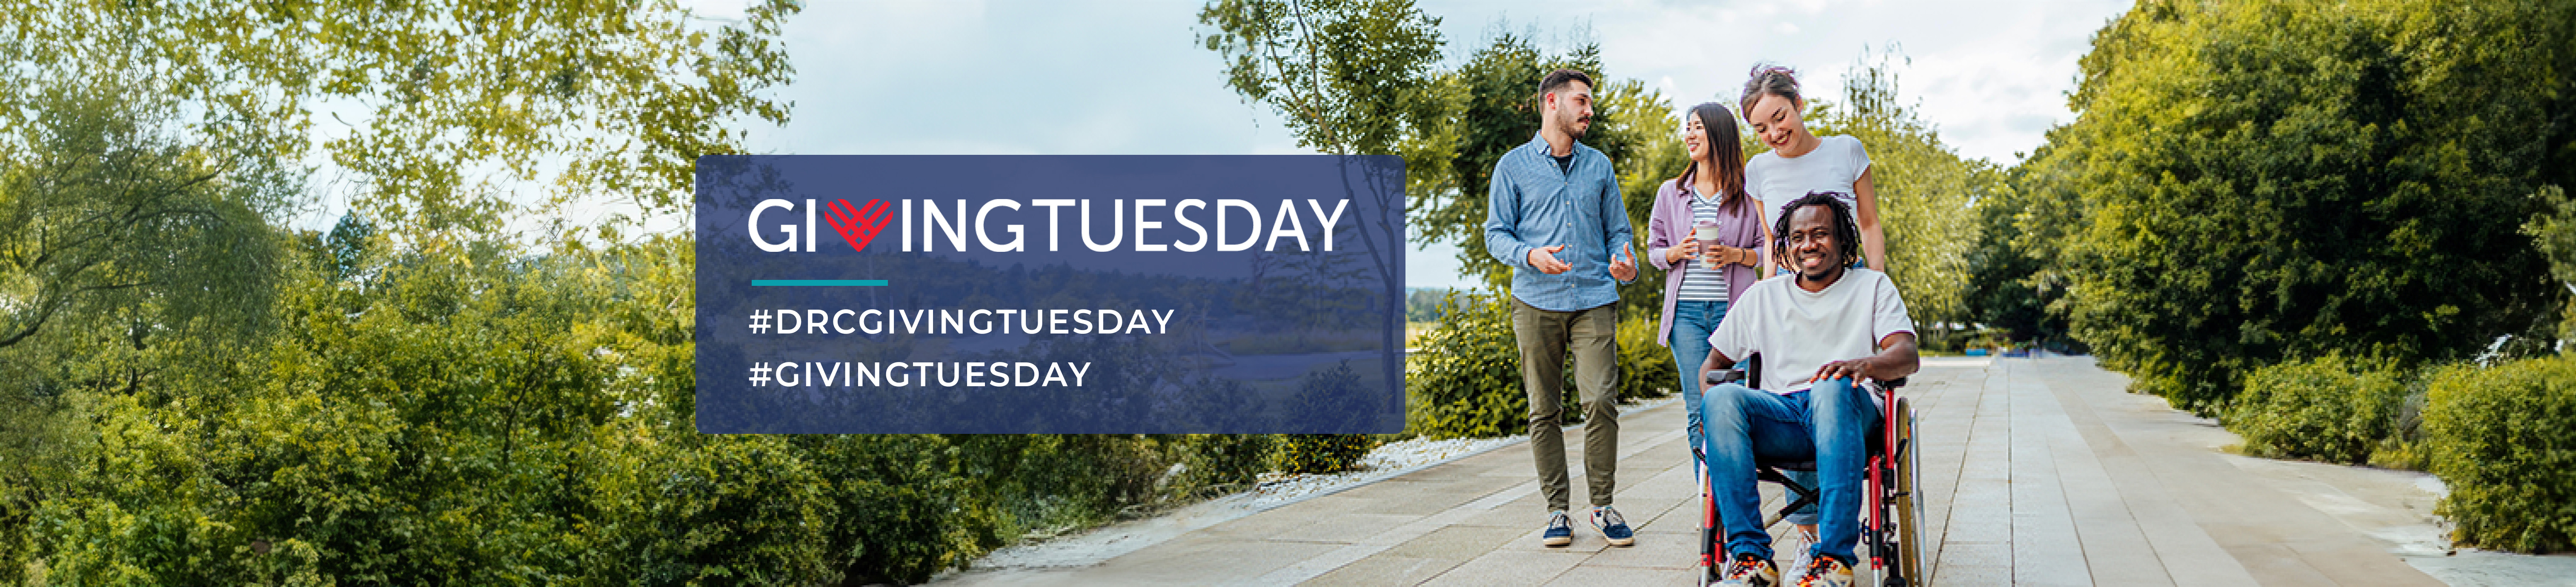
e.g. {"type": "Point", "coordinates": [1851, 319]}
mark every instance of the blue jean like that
{"type": "Point", "coordinates": [1692, 322]}
{"type": "Point", "coordinates": [1828, 423]}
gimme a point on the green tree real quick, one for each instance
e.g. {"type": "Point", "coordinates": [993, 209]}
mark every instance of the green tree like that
{"type": "Point", "coordinates": [2264, 181]}
{"type": "Point", "coordinates": [128, 261]}
{"type": "Point", "coordinates": [434, 395]}
{"type": "Point", "coordinates": [100, 211]}
{"type": "Point", "coordinates": [2554, 229]}
{"type": "Point", "coordinates": [1925, 189]}
{"type": "Point", "coordinates": [623, 95]}
{"type": "Point", "coordinates": [1497, 111]}
{"type": "Point", "coordinates": [2009, 287]}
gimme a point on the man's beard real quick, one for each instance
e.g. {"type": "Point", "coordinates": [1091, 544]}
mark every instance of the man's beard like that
{"type": "Point", "coordinates": [1831, 271]}
{"type": "Point", "coordinates": [1574, 126]}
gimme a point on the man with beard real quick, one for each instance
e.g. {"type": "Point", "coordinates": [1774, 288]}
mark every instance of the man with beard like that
{"type": "Point", "coordinates": [1821, 329]}
{"type": "Point", "coordinates": [1555, 215]}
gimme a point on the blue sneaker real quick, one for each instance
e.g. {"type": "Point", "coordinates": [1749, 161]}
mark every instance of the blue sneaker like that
{"type": "Point", "coordinates": [1560, 530]}
{"type": "Point", "coordinates": [1612, 526]}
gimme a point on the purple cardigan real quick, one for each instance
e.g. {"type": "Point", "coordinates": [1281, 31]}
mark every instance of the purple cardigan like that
{"type": "Point", "coordinates": [1671, 224]}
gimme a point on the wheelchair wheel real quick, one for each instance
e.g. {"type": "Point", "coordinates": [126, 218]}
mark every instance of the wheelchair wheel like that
{"type": "Point", "coordinates": [1909, 511]}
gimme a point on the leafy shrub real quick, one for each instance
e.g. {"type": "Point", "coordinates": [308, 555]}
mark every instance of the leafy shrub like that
{"type": "Point", "coordinates": [713, 510]}
{"type": "Point", "coordinates": [1323, 453]}
{"type": "Point", "coordinates": [1644, 365]}
{"type": "Point", "coordinates": [901, 510]}
{"type": "Point", "coordinates": [1326, 392]}
{"type": "Point", "coordinates": [2504, 438]}
{"type": "Point", "coordinates": [1466, 381]}
{"type": "Point", "coordinates": [2331, 409]}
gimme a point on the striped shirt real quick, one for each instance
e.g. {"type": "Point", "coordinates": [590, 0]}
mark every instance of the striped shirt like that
{"type": "Point", "coordinates": [1532, 203]}
{"type": "Point", "coordinates": [1699, 284]}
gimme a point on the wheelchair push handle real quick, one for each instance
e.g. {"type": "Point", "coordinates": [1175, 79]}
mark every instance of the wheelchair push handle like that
{"type": "Point", "coordinates": [1747, 372]}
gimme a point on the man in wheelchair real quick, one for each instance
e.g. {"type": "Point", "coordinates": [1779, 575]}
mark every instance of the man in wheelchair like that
{"type": "Point", "coordinates": [1820, 330]}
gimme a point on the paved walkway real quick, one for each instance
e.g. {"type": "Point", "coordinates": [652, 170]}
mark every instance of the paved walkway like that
{"type": "Point", "coordinates": [2037, 471]}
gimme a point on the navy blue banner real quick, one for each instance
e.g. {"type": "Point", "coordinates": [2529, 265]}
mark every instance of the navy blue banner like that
{"type": "Point", "coordinates": [1050, 294]}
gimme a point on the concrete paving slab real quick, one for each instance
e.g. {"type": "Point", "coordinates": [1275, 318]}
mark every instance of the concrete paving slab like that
{"type": "Point", "coordinates": [1454, 542]}
{"type": "Point", "coordinates": [1342, 529]}
{"type": "Point", "coordinates": [2036, 471]}
{"type": "Point", "coordinates": [1386, 570]}
{"type": "Point", "coordinates": [1595, 576]}
{"type": "Point", "coordinates": [1661, 550]}
{"type": "Point", "coordinates": [1510, 567]}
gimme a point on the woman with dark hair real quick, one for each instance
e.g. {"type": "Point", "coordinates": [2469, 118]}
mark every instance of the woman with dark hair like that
{"type": "Point", "coordinates": [1706, 234]}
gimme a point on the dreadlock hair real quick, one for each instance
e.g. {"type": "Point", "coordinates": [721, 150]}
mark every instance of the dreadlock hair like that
{"type": "Point", "coordinates": [1846, 229]}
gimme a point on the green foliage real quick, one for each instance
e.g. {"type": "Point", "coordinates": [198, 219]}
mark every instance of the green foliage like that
{"type": "Point", "coordinates": [2255, 182]}
{"type": "Point", "coordinates": [623, 96]}
{"type": "Point", "coordinates": [196, 396]}
{"type": "Point", "coordinates": [1925, 190]}
{"type": "Point", "coordinates": [1644, 366]}
{"type": "Point", "coordinates": [2499, 438]}
{"type": "Point", "coordinates": [2332, 409]}
{"type": "Point", "coordinates": [102, 213]}
{"type": "Point", "coordinates": [1466, 380]}
{"type": "Point", "coordinates": [1639, 123]}
{"type": "Point", "coordinates": [729, 510]}
{"type": "Point", "coordinates": [1494, 108]}
{"type": "Point", "coordinates": [1325, 396]}
{"type": "Point", "coordinates": [1349, 75]}
{"type": "Point", "coordinates": [2006, 289]}
{"type": "Point", "coordinates": [903, 509]}
{"type": "Point", "coordinates": [1422, 305]}
{"type": "Point", "coordinates": [1322, 453]}
{"type": "Point", "coordinates": [2554, 231]}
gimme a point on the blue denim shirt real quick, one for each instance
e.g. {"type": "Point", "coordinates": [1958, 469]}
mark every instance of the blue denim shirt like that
{"type": "Point", "coordinates": [1532, 203]}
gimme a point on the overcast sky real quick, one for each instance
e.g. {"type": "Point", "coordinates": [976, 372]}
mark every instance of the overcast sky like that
{"type": "Point", "coordinates": [1124, 76]}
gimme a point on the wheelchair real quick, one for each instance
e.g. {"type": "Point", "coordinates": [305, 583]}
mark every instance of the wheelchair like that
{"type": "Point", "coordinates": [1890, 511]}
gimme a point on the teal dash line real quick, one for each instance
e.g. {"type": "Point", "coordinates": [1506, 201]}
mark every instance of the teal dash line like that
{"type": "Point", "coordinates": [821, 282]}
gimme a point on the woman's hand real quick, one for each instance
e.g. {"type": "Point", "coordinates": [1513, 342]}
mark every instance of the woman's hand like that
{"type": "Point", "coordinates": [1731, 255]}
{"type": "Point", "coordinates": [1687, 249]}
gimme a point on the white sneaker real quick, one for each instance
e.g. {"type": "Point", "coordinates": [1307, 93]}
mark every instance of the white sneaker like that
{"type": "Point", "coordinates": [1805, 547]}
{"type": "Point", "coordinates": [1747, 571]}
{"type": "Point", "coordinates": [1826, 572]}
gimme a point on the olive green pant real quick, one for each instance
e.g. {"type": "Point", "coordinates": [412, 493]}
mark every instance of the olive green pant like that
{"type": "Point", "coordinates": [1544, 338]}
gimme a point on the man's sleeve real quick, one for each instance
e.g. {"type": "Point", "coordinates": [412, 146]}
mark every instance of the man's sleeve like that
{"type": "Point", "coordinates": [1502, 221]}
{"type": "Point", "coordinates": [1734, 334]}
{"type": "Point", "coordinates": [1623, 237]}
{"type": "Point", "coordinates": [1889, 312]}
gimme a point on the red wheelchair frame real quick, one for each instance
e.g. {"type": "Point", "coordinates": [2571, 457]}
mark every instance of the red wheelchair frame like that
{"type": "Point", "coordinates": [1892, 513]}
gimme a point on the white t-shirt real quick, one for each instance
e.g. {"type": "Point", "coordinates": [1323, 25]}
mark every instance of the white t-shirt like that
{"type": "Point", "coordinates": [1776, 181]}
{"type": "Point", "coordinates": [1798, 331]}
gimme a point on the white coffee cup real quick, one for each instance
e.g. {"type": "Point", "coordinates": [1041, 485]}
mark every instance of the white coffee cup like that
{"type": "Point", "coordinates": [1706, 234]}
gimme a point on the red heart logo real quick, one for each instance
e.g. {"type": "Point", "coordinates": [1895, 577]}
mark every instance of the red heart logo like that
{"type": "Point", "coordinates": [859, 225]}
